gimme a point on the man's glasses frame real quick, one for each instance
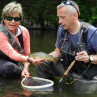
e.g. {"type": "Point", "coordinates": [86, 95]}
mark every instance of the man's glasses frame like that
{"type": "Point", "coordinates": [9, 18]}
{"type": "Point", "coordinates": [68, 2]}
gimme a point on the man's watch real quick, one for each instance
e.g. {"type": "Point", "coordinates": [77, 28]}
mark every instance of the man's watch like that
{"type": "Point", "coordinates": [91, 59]}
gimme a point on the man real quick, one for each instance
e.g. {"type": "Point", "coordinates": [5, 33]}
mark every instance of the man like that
{"type": "Point", "coordinates": [76, 40]}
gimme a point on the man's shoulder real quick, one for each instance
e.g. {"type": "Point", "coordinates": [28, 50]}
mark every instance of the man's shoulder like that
{"type": "Point", "coordinates": [89, 26]}
{"type": "Point", "coordinates": [92, 27]}
{"type": "Point", "coordinates": [92, 31]}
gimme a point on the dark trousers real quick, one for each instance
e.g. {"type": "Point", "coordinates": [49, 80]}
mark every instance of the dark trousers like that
{"type": "Point", "coordinates": [49, 70]}
{"type": "Point", "coordinates": [9, 69]}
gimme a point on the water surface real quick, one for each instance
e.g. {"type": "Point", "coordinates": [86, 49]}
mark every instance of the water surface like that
{"type": "Point", "coordinates": [45, 42]}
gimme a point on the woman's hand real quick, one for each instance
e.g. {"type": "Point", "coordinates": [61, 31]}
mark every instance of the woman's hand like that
{"type": "Point", "coordinates": [82, 56]}
{"type": "Point", "coordinates": [25, 72]}
{"type": "Point", "coordinates": [37, 61]}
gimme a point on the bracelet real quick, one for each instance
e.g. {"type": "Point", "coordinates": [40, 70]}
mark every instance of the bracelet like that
{"type": "Point", "coordinates": [28, 59]}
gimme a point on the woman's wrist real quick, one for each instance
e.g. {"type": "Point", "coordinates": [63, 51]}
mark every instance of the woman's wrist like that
{"type": "Point", "coordinates": [28, 59]}
{"type": "Point", "coordinates": [26, 64]}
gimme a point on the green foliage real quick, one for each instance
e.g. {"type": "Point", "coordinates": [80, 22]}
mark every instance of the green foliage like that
{"type": "Point", "coordinates": [53, 19]}
{"type": "Point", "coordinates": [88, 10]}
{"type": "Point", "coordinates": [47, 10]}
{"type": "Point", "coordinates": [41, 11]}
{"type": "Point", "coordinates": [85, 15]}
{"type": "Point", "coordinates": [93, 18]}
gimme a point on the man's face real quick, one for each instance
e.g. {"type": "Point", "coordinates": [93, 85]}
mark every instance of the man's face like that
{"type": "Point", "coordinates": [65, 19]}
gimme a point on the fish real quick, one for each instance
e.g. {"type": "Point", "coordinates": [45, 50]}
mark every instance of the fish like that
{"type": "Point", "coordinates": [39, 55]}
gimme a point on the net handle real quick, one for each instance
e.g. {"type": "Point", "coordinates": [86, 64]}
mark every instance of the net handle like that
{"type": "Point", "coordinates": [69, 68]}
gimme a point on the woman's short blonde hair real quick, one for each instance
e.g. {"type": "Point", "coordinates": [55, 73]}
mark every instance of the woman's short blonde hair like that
{"type": "Point", "coordinates": [12, 8]}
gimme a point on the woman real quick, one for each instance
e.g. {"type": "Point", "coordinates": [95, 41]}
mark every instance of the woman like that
{"type": "Point", "coordinates": [14, 43]}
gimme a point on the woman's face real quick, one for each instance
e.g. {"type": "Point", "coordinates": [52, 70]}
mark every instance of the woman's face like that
{"type": "Point", "coordinates": [12, 22]}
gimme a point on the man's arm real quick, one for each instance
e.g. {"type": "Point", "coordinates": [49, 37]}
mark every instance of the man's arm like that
{"type": "Point", "coordinates": [83, 56]}
{"type": "Point", "coordinates": [56, 53]}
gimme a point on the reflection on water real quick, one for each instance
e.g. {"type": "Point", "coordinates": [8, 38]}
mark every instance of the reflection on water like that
{"type": "Point", "coordinates": [85, 88]}
{"type": "Point", "coordinates": [42, 41]}
{"type": "Point", "coordinates": [45, 42]}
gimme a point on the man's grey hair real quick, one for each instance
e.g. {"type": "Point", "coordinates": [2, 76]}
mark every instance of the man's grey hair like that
{"type": "Point", "coordinates": [12, 8]}
{"type": "Point", "coordinates": [71, 9]}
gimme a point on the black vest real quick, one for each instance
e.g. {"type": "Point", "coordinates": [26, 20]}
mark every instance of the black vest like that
{"type": "Point", "coordinates": [69, 56]}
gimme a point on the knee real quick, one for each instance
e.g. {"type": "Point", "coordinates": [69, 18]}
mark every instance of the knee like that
{"type": "Point", "coordinates": [43, 66]}
{"type": "Point", "coordinates": [44, 70]}
{"type": "Point", "coordinates": [11, 71]}
{"type": "Point", "coordinates": [9, 68]}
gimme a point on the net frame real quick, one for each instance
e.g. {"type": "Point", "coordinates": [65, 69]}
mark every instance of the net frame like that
{"type": "Point", "coordinates": [42, 87]}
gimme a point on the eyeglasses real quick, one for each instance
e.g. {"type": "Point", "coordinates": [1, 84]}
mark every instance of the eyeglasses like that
{"type": "Point", "coordinates": [68, 2]}
{"type": "Point", "coordinates": [16, 19]}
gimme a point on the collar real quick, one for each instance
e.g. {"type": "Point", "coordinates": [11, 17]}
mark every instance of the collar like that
{"type": "Point", "coordinates": [18, 31]}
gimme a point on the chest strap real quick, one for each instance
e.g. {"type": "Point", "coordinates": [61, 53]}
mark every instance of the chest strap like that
{"type": "Point", "coordinates": [11, 39]}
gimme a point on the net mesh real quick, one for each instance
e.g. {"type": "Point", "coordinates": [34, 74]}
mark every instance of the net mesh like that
{"type": "Point", "coordinates": [36, 83]}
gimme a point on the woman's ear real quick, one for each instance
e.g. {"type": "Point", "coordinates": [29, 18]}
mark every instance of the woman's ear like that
{"type": "Point", "coordinates": [3, 19]}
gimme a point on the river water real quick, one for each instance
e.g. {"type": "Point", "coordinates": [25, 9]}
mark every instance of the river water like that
{"type": "Point", "coordinates": [45, 42]}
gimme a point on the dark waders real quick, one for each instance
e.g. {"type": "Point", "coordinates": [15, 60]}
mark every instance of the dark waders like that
{"type": "Point", "coordinates": [49, 70]}
{"type": "Point", "coordinates": [9, 69]}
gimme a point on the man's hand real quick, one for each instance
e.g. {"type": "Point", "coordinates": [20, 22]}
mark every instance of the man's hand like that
{"type": "Point", "coordinates": [82, 56]}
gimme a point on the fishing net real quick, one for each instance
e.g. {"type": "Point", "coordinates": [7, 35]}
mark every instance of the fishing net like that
{"type": "Point", "coordinates": [37, 84]}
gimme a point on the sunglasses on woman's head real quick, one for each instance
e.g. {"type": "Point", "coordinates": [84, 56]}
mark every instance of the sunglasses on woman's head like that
{"type": "Point", "coordinates": [16, 19]}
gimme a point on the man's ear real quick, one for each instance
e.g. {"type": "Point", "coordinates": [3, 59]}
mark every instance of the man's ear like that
{"type": "Point", "coordinates": [75, 15]}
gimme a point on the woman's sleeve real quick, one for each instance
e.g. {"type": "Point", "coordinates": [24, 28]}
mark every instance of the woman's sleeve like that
{"type": "Point", "coordinates": [7, 49]}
